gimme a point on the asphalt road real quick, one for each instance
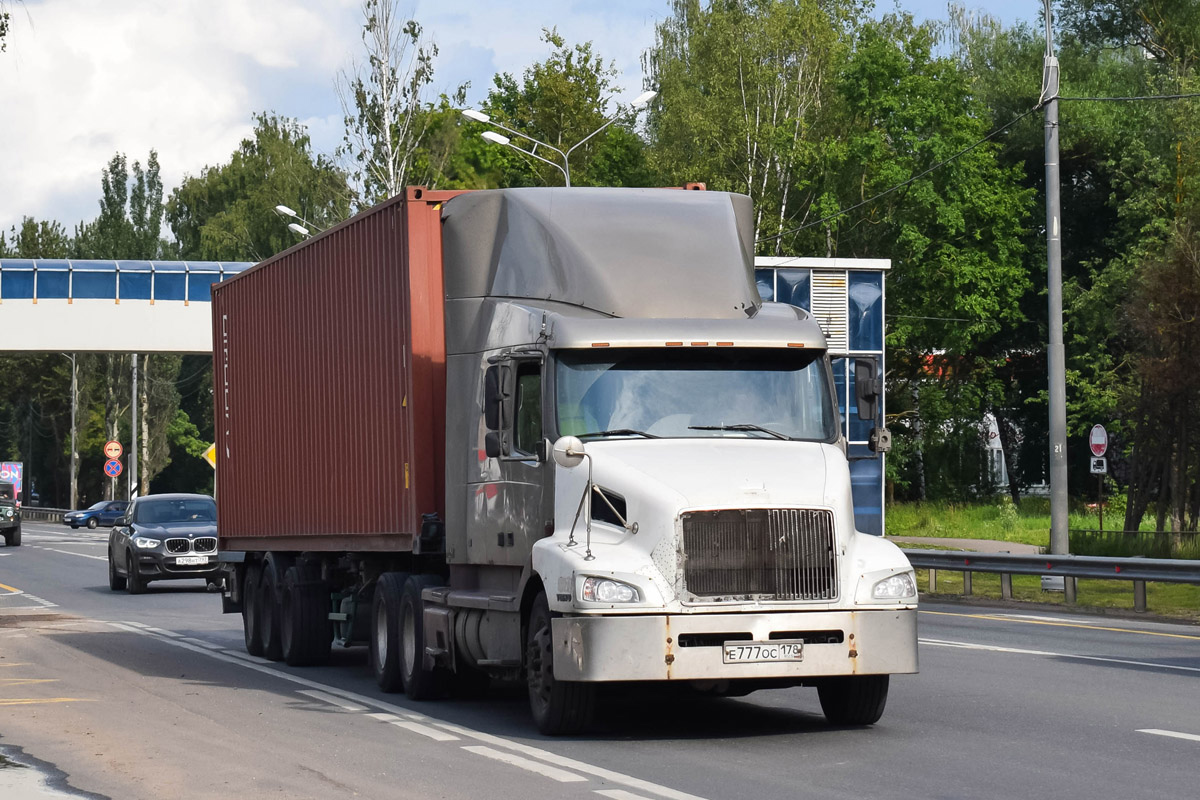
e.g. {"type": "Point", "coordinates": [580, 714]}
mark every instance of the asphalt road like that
{"type": "Point", "coordinates": [153, 696]}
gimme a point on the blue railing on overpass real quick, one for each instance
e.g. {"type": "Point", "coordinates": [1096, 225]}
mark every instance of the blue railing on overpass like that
{"type": "Point", "coordinates": [68, 279]}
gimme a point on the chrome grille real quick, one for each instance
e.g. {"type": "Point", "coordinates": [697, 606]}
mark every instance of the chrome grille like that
{"type": "Point", "coordinates": [774, 554]}
{"type": "Point", "coordinates": [178, 545]}
{"type": "Point", "coordinates": [205, 544]}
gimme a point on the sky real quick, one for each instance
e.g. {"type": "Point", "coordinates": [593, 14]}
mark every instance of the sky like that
{"type": "Point", "coordinates": [84, 79]}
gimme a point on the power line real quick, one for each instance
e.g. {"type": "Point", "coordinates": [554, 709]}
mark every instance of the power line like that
{"type": "Point", "coordinates": [1131, 99]}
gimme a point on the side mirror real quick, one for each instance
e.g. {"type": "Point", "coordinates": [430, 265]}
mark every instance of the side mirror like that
{"type": "Point", "coordinates": [493, 444]}
{"type": "Point", "coordinates": [568, 451]}
{"type": "Point", "coordinates": [497, 388]}
{"type": "Point", "coordinates": [123, 522]}
{"type": "Point", "coordinates": [866, 387]}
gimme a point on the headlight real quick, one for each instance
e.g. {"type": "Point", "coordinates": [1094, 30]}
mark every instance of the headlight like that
{"type": "Point", "coordinates": [897, 587]}
{"type": "Point", "coordinates": [606, 590]}
{"type": "Point", "coordinates": [146, 544]}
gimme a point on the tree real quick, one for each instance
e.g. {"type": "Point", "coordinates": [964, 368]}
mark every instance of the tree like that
{"type": "Point", "coordinates": [227, 212]}
{"type": "Point", "coordinates": [1166, 30]}
{"type": "Point", "coordinates": [744, 92]}
{"type": "Point", "coordinates": [381, 103]}
{"type": "Point", "coordinates": [130, 218]}
{"type": "Point", "coordinates": [37, 239]}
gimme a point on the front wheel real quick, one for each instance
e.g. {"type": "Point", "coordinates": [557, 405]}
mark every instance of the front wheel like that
{"type": "Point", "coordinates": [134, 581]}
{"type": "Point", "coordinates": [559, 707]}
{"type": "Point", "coordinates": [853, 700]}
{"type": "Point", "coordinates": [93, 523]}
{"type": "Point", "coordinates": [13, 537]}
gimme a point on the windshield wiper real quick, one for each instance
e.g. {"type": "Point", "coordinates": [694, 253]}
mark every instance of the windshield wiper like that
{"type": "Point", "coordinates": [620, 432]}
{"type": "Point", "coordinates": [744, 426]}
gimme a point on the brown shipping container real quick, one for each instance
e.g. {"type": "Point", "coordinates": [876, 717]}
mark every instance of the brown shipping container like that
{"type": "Point", "coordinates": [329, 386]}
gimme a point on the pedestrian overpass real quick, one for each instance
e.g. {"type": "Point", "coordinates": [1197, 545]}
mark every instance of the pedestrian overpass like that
{"type": "Point", "coordinates": [77, 306]}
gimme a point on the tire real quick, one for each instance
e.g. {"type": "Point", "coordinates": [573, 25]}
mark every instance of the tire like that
{"type": "Point", "coordinates": [419, 683]}
{"type": "Point", "coordinates": [559, 707]}
{"type": "Point", "coordinates": [93, 523]}
{"type": "Point", "coordinates": [134, 582]}
{"type": "Point", "coordinates": [269, 611]}
{"type": "Point", "coordinates": [385, 630]}
{"type": "Point", "coordinates": [250, 613]}
{"type": "Point", "coordinates": [854, 700]}
{"type": "Point", "coordinates": [115, 582]}
{"type": "Point", "coordinates": [305, 634]}
{"type": "Point", "coordinates": [13, 537]}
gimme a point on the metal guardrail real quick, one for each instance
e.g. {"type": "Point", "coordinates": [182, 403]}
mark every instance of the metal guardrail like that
{"type": "Point", "coordinates": [42, 514]}
{"type": "Point", "coordinates": [1069, 567]}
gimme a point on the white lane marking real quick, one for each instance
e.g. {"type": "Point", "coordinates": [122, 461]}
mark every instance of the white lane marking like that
{"type": "Point", "coordinates": [345, 705]}
{"type": "Point", "coordinates": [200, 642]}
{"type": "Point", "coordinates": [69, 553]}
{"type": "Point", "coordinates": [1048, 654]}
{"type": "Point", "coordinates": [1037, 618]}
{"type": "Point", "coordinates": [1173, 734]}
{"type": "Point", "coordinates": [415, 727]}
{"type": "Point", "coordinates": [243, 660]}
{"type": "Point", "coordinates": [578, 766]}
{"type": "Point", "coordinates": [620, 794]}
{"type": "Point", "coordinates": [560, 775]}
{"type": "Point", "coordinates": [161, 632]}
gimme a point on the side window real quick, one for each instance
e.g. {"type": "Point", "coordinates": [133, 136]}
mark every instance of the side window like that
{"type": "Point", "coordinates": [528, 407]}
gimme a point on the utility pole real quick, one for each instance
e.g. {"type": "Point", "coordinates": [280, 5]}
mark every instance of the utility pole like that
{"type": "Point", "coordinates": [1059, 542]}
{"type": "Point", "coordinates": [133, 406]}
{"type": "Point", "coordinates": [74, 446]}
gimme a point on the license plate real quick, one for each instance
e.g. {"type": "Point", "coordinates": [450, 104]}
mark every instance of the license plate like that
{"type": "Point", "coordinates": [190, 561]}
{"type": "Point", "coordinates": [763, 652]}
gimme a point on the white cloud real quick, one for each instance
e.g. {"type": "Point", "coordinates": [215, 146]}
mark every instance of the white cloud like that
{"type": "Point", "coordinates": [84, 79]}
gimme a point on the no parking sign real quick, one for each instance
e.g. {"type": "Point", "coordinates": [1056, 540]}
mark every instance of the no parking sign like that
{"type": "Point", "coordinates": [112, 468]}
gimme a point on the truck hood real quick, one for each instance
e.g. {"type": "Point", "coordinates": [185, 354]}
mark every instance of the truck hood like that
{"type": "Point", "coordinates": [714, 473]}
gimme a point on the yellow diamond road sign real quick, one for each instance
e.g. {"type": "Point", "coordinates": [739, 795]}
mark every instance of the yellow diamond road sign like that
{"type": "Point", "coordinates": [210, 455]}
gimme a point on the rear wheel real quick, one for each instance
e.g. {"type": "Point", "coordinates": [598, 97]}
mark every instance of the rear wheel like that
{"type": "Point", "coordinates": [559, 707]}
{"type": "Point", "coordinates": [385, 630]}
{"type": "Point", "coordinates": [250, 613]}
{"type": "Point", "coordinates": [134, 581]}
{"type": "Point", "coordinates": [853, 700]}
{"type": "Point", "coordinates": [419, 683]}
{"type": "Point", "coordinates": [305, 634]}
{"type": "Point", "coordinates": [269, 611]}
{"type": "Point", "coordinates": [115, 582]}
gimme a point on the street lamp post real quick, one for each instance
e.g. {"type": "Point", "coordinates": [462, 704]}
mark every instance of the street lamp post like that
{"type": "Point", "coordinates": [640, 102]}
{"type": "Point", "coordinates": [296, 227]}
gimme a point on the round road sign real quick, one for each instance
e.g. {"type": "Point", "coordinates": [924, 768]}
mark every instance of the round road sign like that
{"type": "Point", "coordinates": [112, 468]}
{"type": "Point", "coordinates": [113, 449]}
{"type": "Point", "coordinates": [1098, 440]}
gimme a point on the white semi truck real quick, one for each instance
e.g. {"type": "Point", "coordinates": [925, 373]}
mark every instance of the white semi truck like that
{"type": "Point", "coordinates": [549, 435]}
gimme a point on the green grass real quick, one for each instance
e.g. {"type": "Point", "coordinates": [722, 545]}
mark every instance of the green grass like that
{"type": "Point", "coordinates": [1164, 599]}
{"type": "Point", "coordinates": [999, 520]}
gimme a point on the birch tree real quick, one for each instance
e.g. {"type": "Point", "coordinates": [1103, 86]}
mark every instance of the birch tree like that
{"type": "Point", "coordinates": [381, 103]}
{"type": "Point", "coordinates": [742, 89]}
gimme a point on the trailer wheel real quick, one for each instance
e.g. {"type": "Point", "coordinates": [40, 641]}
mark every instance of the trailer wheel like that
{"type": "Point", "coordinates": [385, 630]}
{"type": "Point", "coordinates": [559, 707]}
{"type": "Point", "coordinates": [419, 683]}
{"type": "Point", "coordinates": [250, 613]}
{"type": "Point", "coordinates": [305, 635]}
{"type": "Point", "coordinates": [853, 700]}
{"type": "Point", "coordinates": [269, 611]}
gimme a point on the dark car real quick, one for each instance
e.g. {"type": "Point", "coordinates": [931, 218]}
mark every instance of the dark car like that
{"type": "Point", "coordinates": [106, 512]}
{"type": "Point", "coordinates": [10, 515]}
{"type": "Point", "coordinates": [164, 537]}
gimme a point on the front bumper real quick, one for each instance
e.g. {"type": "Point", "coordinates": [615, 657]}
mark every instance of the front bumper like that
{"type": "Point", "coordinates": [688, 647]}
{"type": "Point", "coordinates": [156, 566]}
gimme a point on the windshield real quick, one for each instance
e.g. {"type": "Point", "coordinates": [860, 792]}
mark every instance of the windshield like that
{"type": "Point", "coordinates": [696, 393]}
{"type": "Point", "coordinates": [160, 512]}
{"type": "Point", "coordinates": [97, 506]}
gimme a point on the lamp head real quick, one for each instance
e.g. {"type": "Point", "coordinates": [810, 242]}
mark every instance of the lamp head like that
{"type": "Point", "coordinates": [492, 136]}
{"type": "Point", "coordinates": [477, 116]}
